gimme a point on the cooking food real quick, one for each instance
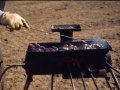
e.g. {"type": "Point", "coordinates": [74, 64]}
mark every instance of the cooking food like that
{"type": "Point", "coordinates": [35, 47]}
{"type": "Point", "coordinates": [55, 48]}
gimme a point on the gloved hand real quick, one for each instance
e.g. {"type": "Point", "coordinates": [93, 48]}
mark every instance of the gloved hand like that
{"type": "Point", "coordinates": [13, 21]}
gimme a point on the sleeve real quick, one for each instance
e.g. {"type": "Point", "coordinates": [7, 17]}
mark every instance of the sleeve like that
{"type": "Point", "coordinates": [2, 4]}
{"type": "Point", "coordinates": [1, 13]}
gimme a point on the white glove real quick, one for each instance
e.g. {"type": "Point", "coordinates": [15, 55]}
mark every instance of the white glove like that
{"type": "Point", "coordinates": [13, 21]}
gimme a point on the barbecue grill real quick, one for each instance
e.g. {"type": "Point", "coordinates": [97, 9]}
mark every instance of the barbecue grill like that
{"type": "Point", "coordinates": [90, 57]}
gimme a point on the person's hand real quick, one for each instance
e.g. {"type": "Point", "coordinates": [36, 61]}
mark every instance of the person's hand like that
{"type": "Point", "coordinates": [13, 21]}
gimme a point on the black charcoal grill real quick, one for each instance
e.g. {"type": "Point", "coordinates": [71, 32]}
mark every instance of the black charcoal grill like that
{"type": "Point", "coordinates": [93, 62]}
{"type": "Point", "coordinates": [53, 62]}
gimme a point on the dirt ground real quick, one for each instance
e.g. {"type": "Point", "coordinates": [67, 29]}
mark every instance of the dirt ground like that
{"type": "Point", "coordinates": [97, 19]}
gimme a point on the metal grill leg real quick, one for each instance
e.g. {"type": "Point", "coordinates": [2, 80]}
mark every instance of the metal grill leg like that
{"type": "Point", "coordinates": [108, 83]}
{"type": "Point", "coordinates": [92, 76]}
{"type": "Point", "coordinates": [52, 82]}
{"type": "Point", "coordinates": [29, 79]}
{"type": "Point", "coordinates": [115, 79]}
{"type": "Point", "coordinates": [82, 77]}
{"type": "Point", "coordinates": [73, 86]}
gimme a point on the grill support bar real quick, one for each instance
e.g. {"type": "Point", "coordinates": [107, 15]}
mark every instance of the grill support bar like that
{"type": "Point", "coordinates": [92, 76]}
{"type": "Point", "coordinates": [52, 82]}
{"type": "Point", "coordinates": [82, 77]}
{"type": "Point", "coordinates": [9, 66]}
{"type": "Point", "coordinates": [115, 79]}
{"type": "Point", "coordinates": [29, 79]}
{"type": "Point", "coordinates": [108, 83]}
{"type": "Point", "coordinates": [73, 86]}
{"type": "Point", "coordinates": [112, 68]}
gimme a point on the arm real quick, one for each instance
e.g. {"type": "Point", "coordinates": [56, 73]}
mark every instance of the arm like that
{"type": "Point", "coordinates": [12, 20]}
